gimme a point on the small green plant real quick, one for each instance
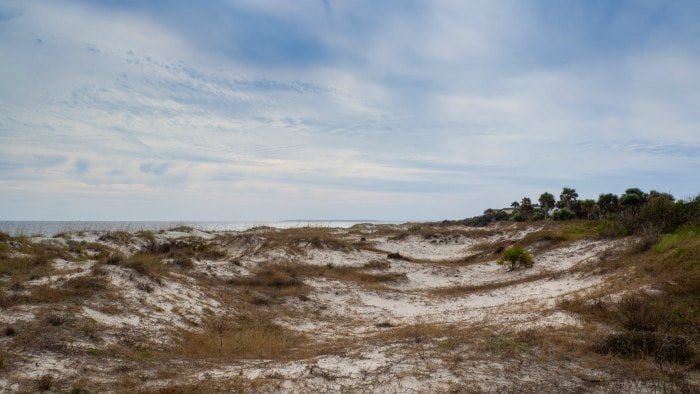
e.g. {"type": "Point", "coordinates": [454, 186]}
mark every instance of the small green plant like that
{"type": "Point", "coordinates": [95, 352]}
{"type": "Point", "coordinates": [516, 257]}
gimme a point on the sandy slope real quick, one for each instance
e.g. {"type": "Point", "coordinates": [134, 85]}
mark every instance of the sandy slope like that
{"type": "Point", "coordinates": [137, 310]}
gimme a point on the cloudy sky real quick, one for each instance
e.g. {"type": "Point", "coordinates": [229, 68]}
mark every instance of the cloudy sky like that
{"type": "Point", "coordinates": [394, 110]}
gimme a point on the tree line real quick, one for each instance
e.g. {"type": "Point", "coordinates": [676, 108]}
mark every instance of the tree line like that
{"type": "Point", "coordinates": [631, 212]}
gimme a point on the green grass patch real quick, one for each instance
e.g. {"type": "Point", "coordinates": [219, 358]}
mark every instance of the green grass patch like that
{"type": "Point", "coordinates": [506, 344]}
{"type": "Point", "coordinates": [669, 241]}
{"type": "Point", "coordinates": [95, 352]}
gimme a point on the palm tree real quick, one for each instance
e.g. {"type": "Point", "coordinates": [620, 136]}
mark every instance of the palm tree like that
{"type": "Point", "coordinates": [567, 196]}
{"type": "Point", "coordinates": [589, 208]}
{"type": "Point", "coordinates": [526, 206]}
{"type": "Point", "coordinates": [515, 204]}
{"type": "Point", "coordinates": [608, 203]}
{"type": "Point", "coordinates": [546, 202]}
{"type": "Point", "coordinates": [633, 196]}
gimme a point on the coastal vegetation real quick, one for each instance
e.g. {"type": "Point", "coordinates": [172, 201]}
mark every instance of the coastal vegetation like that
{"type": "Point", "coordinates": [611, 288]}
{"type": "Point", "coordinates": [634, 212]}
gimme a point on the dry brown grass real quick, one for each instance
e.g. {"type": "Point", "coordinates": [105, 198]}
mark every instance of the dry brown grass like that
{"type": "Point", "coordinates": [422, 332]}
{"type": "Point", "coordinates": [272, 281]}
{"type": "Point", "coordinates": [663, 325]}
{"type": "Point", "coordinates": [145, 264]}
{"type": "Point", "coordinates": [242, 337]}
{"type": "Point", "coordinates": [116, 237]}
{"type": "Point", "coordinates": [471, 289]}
{"type": "Point", "coordinates": [349, 274]}
{"type": "Point", "coordinates": [293, 242]}
{"type": "Point", "coordinates": [377, 265]}
{"type": "Point", "coordinates": [279, 281]}
{"type": "Point", "coordinates": [183, 250]}
{"type": "Point", "coordinates": [448, 340]}
{"type": "Point", "coordinates": [87, 250]}
{"type": "Point", "coordinates": [52, 330]}
{"type": "Point", "coordinates": [23, 259]}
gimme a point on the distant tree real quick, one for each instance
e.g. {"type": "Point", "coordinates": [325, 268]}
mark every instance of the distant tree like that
{"type": "Point", "coordinates": [608, 203]}
{"type": "Point", "coordinates": [589, 209]}
{"type": "Point", "coordinates": [518, 216]}
{"type": "Point", "coordinates": [515, 204]}
{"type": "Point", "coordinates": [567, 196]}
{"type": "Point", "coordinates": [500, 216]}
{"type": "Point", "coordinates": [563, 214]}
{"type": "Point", "coordinates": [546, 202]}
{"type": "Point", "coordinates": [526, 207]}
{"type": "Point", "coordinates": [654, 194]}
{"type": "Point", "coordinates": [633, 197]}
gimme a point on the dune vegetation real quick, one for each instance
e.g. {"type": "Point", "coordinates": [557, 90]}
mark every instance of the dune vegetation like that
{"type": "Point", "coordinates": [602, 299]}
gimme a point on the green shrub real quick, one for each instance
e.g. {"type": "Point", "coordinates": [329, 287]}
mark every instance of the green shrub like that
{"type": "Point", "coordinates": [563, 214]}
{"type": "Point", "coordinates": [519, 217]}
{"type": "Point", "coordinates": [516, 257]}
{"type": "Point", "coordinates": [538, 215]}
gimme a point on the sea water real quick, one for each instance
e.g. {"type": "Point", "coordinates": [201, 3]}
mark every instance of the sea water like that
{"type": "Point", "coordinates": [49, 228]}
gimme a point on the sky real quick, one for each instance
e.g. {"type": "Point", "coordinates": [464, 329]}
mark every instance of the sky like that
{"type": "Point", "coordinates": [358, 109]}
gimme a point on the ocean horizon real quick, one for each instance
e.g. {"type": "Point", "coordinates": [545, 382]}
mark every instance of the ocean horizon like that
{"type": "Point", "coordinates": [53, 227]}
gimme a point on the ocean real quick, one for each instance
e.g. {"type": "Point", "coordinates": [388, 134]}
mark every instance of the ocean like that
{"type": "Point", "coordinates": [50, 228]}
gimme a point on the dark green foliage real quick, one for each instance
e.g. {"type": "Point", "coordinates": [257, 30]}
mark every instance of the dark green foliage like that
{"type": "Point", "coordinates": [516, 257]}
{"type": "Point", "coordinates": [538, 214]}
{"type": "Point", "coordinates": [396, 256]}
{"type": "Point", "coordinates": [637, 344]}
{"type": "Point", "coordinates": [634, 212]}
{"type": "Point", "coordinates": [632, 197]}
{"type": "Point", "coordinates": [587, 209]}
{"type": "Point", "coordinates": [567, 196]}
{"type": "Point", "coordinates": [526, 207]}
{"type": "Point", "coordinates": [489, 216]}
{"type": "Point", "coordinates": [563, 214]}
{"type": "Point", "coordinates": [608, 203]}
{"type": "Point", "coordinates": [518, 217]}
{"type": "Point", "coordinates": [547, 202]}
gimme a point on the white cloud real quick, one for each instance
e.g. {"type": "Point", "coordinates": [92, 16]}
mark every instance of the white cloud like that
{"type": "Point", "coordinates": [444, 108]}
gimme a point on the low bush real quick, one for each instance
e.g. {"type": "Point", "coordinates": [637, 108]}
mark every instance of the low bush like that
{"type": "Point", "coordinates": [563, 214]}
{"type": "Point", "coordinates": [396, 256]}
{"type": "Point", "coordinates": [638, 344]}
{"type": "Point", "coordinates": [516, 257]}
{"type": "Point", "coordinates": [44, 382]}
{"type": "Point", "coordinates": [242, 337]}
{"type": "Point", "coordinates": [640, 313]}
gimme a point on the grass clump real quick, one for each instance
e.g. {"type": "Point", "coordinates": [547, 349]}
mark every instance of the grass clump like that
{"type": "Point", "coordinates": [44, 382]}
{"type": "Point", "coordinates": [183, 251]}
{"type": "Point", "coordinates": [286, 280]}
{"type": "Point", "coordinates": [145, 264]}
{"type": "Point", "coordinates": [506, 344]}
{"type": "Point", "coordinates": [638, 344]}
{"type": "Point", "coordinates": [516, 257]}
{"type": "Point", "coordinates": [242, 337]}
{"type": "Point", "coordinates": [116, 237]}
{"type": "Point", "coordinates": [182, 229]}
{"type": "Point", "coordinates": [272, 281]}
